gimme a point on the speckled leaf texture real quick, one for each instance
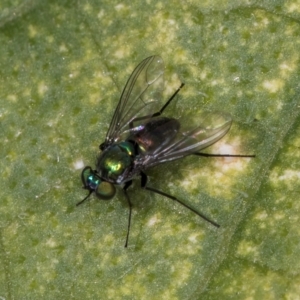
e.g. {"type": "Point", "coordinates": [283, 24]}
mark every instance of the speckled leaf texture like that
{"type": "Point", "coordinates": [63, 65]}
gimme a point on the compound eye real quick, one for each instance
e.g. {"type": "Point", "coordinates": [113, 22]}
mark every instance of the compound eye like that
{"type": "Point", "coordinates": [89, 179]}
{"type": "Point", "coordinates": [105, 190]}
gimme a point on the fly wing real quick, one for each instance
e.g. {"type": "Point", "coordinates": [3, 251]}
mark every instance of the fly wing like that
{"type": "Point", "coordinates": [192, 139]}
{"type": "Point", "coordinates": [139, 99]}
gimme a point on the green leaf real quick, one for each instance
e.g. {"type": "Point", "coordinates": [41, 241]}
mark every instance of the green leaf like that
{"type": "Point", "coordinates": [63, 67]}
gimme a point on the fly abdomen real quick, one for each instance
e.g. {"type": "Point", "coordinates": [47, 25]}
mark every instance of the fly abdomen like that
{"type": "Point", "coordinates": [157, 133]}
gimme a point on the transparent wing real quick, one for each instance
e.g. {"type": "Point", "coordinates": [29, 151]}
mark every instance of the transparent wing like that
{"type": "Point", "coordinates": [140, 97]}
{"type": "Point", "coordinates": [191, 139]}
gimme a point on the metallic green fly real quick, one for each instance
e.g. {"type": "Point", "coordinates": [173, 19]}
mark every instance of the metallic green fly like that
{"type": "Point", "coordinates": [139, 138]}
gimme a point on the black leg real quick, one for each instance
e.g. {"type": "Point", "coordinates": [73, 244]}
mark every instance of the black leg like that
{"type": "Point", "coordinates": [144, 179]}
{"type": "Point", "coordinates": [80, 202]}
{"type": "Point", "coordinates": [222, 155]}
{"type": "Point", "coordinates": [168, 102]}
{"type": "Point", "coordinates": [159, 112]}
{"type": "Point", "coordinates": [144, 185]}
{"type": "Point", "coordinates": [126, 186]}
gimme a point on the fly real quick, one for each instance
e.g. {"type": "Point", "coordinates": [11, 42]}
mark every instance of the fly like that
{"type": "Point", "coordinates": [139, 138]}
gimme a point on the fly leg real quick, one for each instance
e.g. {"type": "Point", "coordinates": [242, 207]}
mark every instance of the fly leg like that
{"type": "Point", "coordinates": [222, 155]}
{"type": "Point", "coordinates": [126, 186]}
{"type": "Point", "coordinates": [144, 179]}
{"type": "Point", "coordinates": [168, 102]}
{"type": "Point", "coordinates": [160, 111]}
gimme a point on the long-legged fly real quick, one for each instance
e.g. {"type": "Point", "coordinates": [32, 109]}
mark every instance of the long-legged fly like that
{"type": "Point", "coordinates": [139, 138]}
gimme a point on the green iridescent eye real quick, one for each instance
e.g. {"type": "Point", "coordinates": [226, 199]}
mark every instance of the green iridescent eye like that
{"type": "Point", "coordinates": [105, 190]}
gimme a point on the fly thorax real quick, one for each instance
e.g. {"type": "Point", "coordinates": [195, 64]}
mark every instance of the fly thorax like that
{"type": "Point", "coordinates": [115, 162]}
